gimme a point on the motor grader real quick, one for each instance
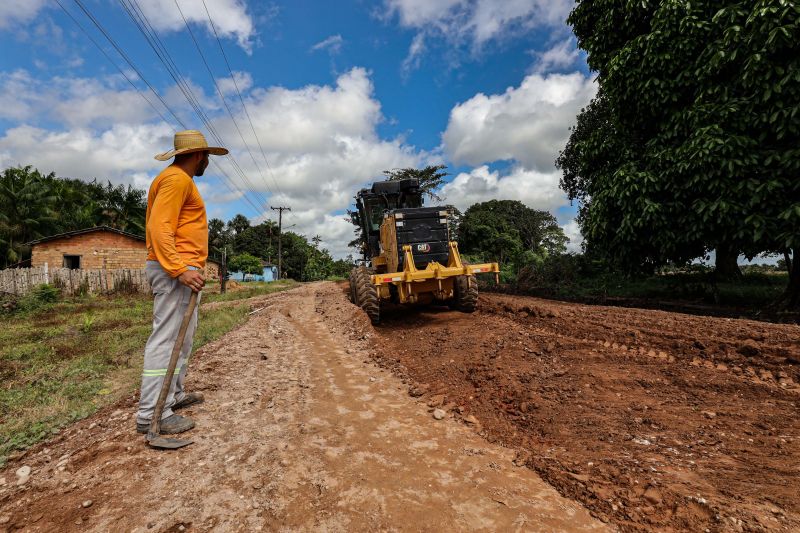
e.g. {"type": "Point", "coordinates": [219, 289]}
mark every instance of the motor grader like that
{"type": "Point", "coordinates": [409, 256]}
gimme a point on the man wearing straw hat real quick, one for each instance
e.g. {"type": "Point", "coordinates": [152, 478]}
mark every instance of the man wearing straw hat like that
{"type": "Point", "coordinates": [177, 247]}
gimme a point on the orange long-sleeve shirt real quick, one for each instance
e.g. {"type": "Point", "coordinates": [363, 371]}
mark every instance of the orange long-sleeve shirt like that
{"type": "Point", "coordinates": [177, 229]}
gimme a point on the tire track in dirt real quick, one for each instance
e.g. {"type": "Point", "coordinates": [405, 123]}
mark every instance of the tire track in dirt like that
{"type": "Point", "coordinates": [299, 432]}
{"type": "Point", "coordinates": [653, 420]}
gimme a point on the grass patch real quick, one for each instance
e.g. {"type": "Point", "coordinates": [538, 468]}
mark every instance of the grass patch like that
{"type": "Point", "coordinates": [63, 361]}
{"type": "Point", "coordinates": [247, 290]}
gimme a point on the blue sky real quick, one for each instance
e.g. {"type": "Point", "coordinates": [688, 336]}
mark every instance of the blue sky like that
{"type": "Point", "coordinates": [337, 91]}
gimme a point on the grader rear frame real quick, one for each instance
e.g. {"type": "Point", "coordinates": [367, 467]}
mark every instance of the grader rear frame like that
{"type": "Point", "coordinates": [412, 259]}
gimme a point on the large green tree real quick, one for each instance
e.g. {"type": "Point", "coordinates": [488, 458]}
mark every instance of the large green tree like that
{"type": "Point", "coordinates": [692, 142]}
{"type": "Point", "coordinates": [245, 263]}
{"type": "Point", "coordinates": [501, 230]}
{"type": "Point", "coordinates": [260, 240]}
{"type": "Point", "coordinates": [219, 237]}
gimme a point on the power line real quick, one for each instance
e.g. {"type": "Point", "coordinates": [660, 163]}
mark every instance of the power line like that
{"type": "Point", "coordinates": [141, 76]}
{"type": "Point", "coordinates": [122, 53]}
{"type": "Point", "coordinates": [164, 56]}
{"type": "Point", "coordinates": [158, 112]}
{"type": "Point", "coordinates": [140, 20]}
{"type": "Point", "coordinates": [244, 106]}
{"type": "Point", "coordinates": [219, 91]}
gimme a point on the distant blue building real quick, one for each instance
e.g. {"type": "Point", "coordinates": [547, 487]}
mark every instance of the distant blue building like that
{"type": "Point", "coordinates": [270, 273]}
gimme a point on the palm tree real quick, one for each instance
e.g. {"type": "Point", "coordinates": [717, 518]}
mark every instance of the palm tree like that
{"type": "Point", "coordinates": [27, 210]}
{"type": "Point", "coordinates": [122, 208]}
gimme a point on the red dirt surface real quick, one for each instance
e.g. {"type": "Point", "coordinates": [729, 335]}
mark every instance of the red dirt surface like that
{"type": "Point", "coordinates": [652, 420]}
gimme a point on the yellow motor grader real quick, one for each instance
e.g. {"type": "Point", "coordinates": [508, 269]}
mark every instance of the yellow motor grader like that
{"type": "Point", "coordinates": [408, 253]}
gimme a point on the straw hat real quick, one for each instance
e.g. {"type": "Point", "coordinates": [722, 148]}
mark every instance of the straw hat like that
{"type": "Point", "coordinates": [190, 141]}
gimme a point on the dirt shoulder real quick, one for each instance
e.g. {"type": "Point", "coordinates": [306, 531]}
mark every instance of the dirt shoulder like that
{"type": "Point", "coordinates": [300, 431]}
{"type": "Point", "coordinates": [653, 420]}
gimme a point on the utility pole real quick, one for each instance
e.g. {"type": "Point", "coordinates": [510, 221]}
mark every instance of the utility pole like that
{"type": "Point", "coordinates": [224, 271]}
{"type": "Point", "coordinates": [280, 211]}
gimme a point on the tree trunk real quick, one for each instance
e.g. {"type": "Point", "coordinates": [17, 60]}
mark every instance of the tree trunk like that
{"type": "Point", "coordinates": [791, 296]}
{"type": "Point", "coordinates": [788, 259]}
{"type": "Point", "coordinates": [727, 267]}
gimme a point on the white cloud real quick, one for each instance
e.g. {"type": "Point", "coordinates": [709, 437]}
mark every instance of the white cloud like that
{"type": "Point", "coordinates": [528, 124]}
{"type": "Point", "coordinates": [561, 56]}
{"type": "Point", "coordinates": [538, 190]}
{"type": "Point", "coordinates": [75, 102]}
{"type": "Point", "coordinates": [120, 154]}
{"type": "Point", "coordinates": [321, 142]}
{"type": "Point", "coordinates": [230, 17]}
{"type": "Point", "coordinates": [418, 13]}
{"type": "Point", "coordinates": [333, 44]}
{"type": "Point", "coordinates": [491, 18]}
{"type": "Point", "coordinates": [322, 145]}
{"type": "Point", "coordinates": [474, 21]}
{"type": "Point", "coordinates": [241, 80]}
{"type": "Point", "coordinates": [524, 127]}
{"type": "Point", "coordinates": [415, 51]}
{"type": "Point", "coordinates": [573, 232]}
{"type": "Point", "coordinates": [19, 11]}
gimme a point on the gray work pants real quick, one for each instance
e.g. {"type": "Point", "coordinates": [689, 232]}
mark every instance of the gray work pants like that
{"type": "Point", "coordinates": [171, 298]}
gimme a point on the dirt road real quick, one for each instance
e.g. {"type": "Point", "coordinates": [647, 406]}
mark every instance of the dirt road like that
{"type": "Point", "coordinates": [301, 431]}
{"type": "Point", "coordinates": [637, 420]}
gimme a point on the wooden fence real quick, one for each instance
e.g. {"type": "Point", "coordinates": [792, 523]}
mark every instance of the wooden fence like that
{"type": "Point", "coordinates": [20, 281]}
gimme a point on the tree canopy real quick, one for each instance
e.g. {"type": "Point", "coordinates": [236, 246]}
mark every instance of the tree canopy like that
{"type": "Point", "coordinates": [504, 230]}
{"type": "Point", "coordinates": [245, 263]}
{"type": "Point", "coordinates": [691, 143]}
{"type": "Point", "coordinates": [35, 205]}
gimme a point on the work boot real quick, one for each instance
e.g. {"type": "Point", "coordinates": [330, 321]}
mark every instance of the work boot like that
{"type": "Point", "coordinates": [169, 426]}
{"type": "Point", "coordinates": [191, 398]}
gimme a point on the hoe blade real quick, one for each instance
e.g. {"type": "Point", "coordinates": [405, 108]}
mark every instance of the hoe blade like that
{"type": "Point", "coordinates": [166, 443]}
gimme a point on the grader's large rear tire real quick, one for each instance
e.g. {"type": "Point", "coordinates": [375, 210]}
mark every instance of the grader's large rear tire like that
{"type": "Point", "coordinates": [353, 294]}
{"type": "Point", "coordinates": [465, 298]}
{"type": "Point", "coordinates": [367, 295]}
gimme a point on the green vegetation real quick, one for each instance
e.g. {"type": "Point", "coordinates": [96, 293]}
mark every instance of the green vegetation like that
{"type": "Point", "coordinates": [577, 277]}
{"type": "Point", "coordinates": [510, 233]}
{"type": "Point", "coordinates": [60, 361]}
{"type": "Point", "coordinates": [302, 260]}
{"type": "Point", "coordinates": [692, 143]}
{"type": "Point", "coordinates": [246, 290]}
{"type": "Point", "coordinates": [34, 205]}
{"type": "Point", "coordinates": [245, 263]}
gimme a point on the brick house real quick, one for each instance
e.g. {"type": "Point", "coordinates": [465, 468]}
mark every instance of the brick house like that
{"type": "Point", "coordinates": [213, 268]}
{"type": "Point", "coordinates": [98, 247]}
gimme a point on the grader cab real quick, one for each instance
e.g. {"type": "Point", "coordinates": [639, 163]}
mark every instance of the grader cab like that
{"type": "Point", "coordinates": [409, 255]}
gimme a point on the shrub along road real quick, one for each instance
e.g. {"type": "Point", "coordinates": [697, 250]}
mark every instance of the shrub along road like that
{"type": "Point", "coordinates": [315, 420]}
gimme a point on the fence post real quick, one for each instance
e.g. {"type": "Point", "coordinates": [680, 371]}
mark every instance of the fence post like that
{"type": "Point", "coordinates": [46, 274]}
